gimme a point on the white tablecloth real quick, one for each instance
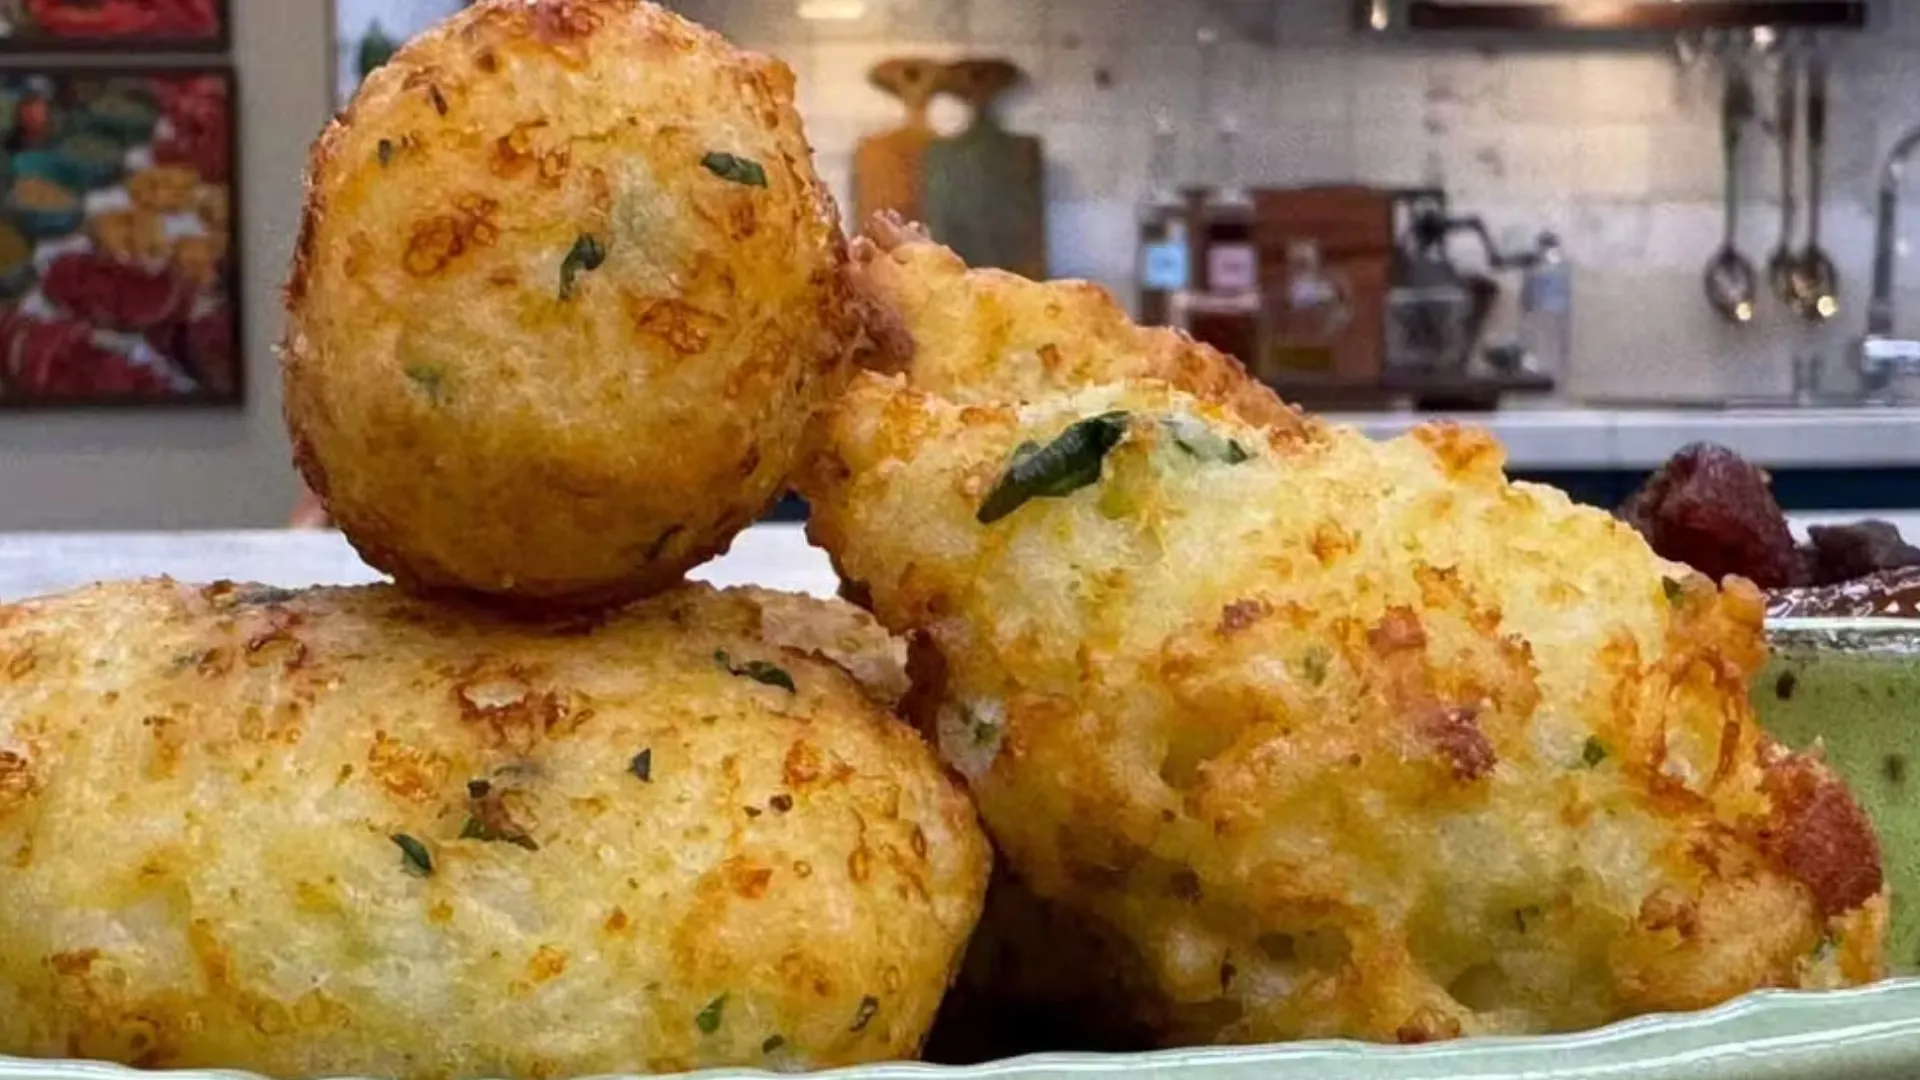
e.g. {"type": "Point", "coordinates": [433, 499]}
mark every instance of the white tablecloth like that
{"type": "Point", "coordinates": [775, 556]}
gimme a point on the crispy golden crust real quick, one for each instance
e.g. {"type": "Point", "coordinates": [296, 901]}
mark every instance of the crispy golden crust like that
{"type": "Point", "coordinates": [987, 335]}
{"type": "Point", "coordinates": [1348, 738]}
{"type": "Point", "coordinates": [199, 787]}
{"type": "Point", "coordinates": [542, 341]}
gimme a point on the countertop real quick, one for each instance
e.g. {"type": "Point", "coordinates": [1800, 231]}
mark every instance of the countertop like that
{"type": "Point", "coordinates": [1591, 438]}
{"type": "Point", "coordinates": [774, 556]}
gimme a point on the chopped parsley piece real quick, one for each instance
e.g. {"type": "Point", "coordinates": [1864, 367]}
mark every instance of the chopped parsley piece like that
{"type": "Point", "coordinates": [773, 1044]}
{"type": "Point", "coordinates": [587, 253]}
{"type": "Point", "coordinates": [1674, 590]}
{"type": "Point", "coordinates": [413, 855]}
{"type": "Point", "coordinates": [869, 1006]}
{"type": "Point", "coordinates": [475, 829]}
{"type": "Point", "coordinates": [431, 381]}
{"type": "Point", "coordinates": [642, 765]}
{"type": "Point", "coordinates": [758, 670]}
{"type": "Point", "coordinates": [659, 545]}
{"type": "Point", "coordinates": [1062, 467]}
{"type": "Point", "coordinates": [1201, 441]}
{"type": "Point", "coordinates": [1594, 752]}
{"type": "Point", "coordinates": [709, 1019]}
{"type": "Point", "coordinates": [981, 730]}
{"type": "Point", "coordinates": [737, 169]}
{"type": "Point", "coordinates": [1824, 950]}
{"type": "Point", "coordinates": [386, 152]}
{"type": "Point", "coordinates": [1313, 664]}
{"type": "Point", "coordinates": [266, 595]}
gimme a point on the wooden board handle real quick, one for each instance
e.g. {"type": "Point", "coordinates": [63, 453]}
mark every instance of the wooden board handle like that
{"type": "Point", "coordinates": [980, 81]}
{"type": "Point", "coordinates": [912, 79]}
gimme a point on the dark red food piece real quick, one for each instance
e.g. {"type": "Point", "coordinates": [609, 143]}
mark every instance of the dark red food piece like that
{"type": "Point", "coordinates": [1845, 552]}
{"type": "Point", "coordinates": [1712, 510]}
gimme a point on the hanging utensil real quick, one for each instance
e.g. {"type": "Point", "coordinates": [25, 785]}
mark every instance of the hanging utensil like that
{"type": "Point", "coordinates": [1730, 279]}
{"type": "Point", "coordinates": [1817, 281]}
{"type": "Point", "coordinates": [1785, 261]}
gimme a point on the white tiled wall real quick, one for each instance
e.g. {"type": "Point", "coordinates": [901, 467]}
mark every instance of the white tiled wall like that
{"type": "Point", "coordinates": [1615, 146]}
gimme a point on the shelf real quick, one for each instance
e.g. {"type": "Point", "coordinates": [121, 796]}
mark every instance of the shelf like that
{"type": "Point", "coordinates": [1663, 17]}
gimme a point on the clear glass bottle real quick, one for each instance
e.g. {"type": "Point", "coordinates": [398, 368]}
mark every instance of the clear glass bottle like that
{"type": "Point", "coordinates": [1546, 309]}
{"type": "Point", "coordinates": [1224, 308]}
{"type": "Point", "coordinates": [1166, 248]}
{"type": "Point", "coordinates": [1306, 311]}
{"type": "Point", "coordinates": [1226, 223]}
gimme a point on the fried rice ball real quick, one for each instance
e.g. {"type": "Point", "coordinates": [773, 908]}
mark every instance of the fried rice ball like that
{"type": "Point", "coordinates": [566, 293]}
{"type": "Point", "coordinates": [1331, 737]}
{"type": "Point", "coordinates": [352, 832]}
{"type": "Point", "coordinates": [977, 336]}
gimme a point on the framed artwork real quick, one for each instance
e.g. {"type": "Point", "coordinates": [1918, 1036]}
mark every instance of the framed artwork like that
{"type": "Point", "coordinates": [118, 276]}
{"type": "Point", "coordinates": [67, 26]}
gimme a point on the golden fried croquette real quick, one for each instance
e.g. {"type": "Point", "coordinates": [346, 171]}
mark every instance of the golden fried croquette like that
{"type": "Point", "coordinates": [567, 291]}
{"type": "Point", "coordinates": [988, 335]}
{"type": "Point", "coordinates": [349, 832]}
{"type": "Point", "coordinates": [1342, 738]}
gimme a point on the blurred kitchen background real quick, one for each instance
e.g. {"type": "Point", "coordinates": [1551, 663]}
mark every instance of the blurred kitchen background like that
{"type": "Point", "coordinates": [1379, 213]}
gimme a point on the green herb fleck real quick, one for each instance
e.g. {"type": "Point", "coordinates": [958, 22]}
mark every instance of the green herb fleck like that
{"type": "Point", "coordinates": [193, 659]}
{"type": "Point", "coordinates": [709, 1019]}
{"type": "Point", "coordinates": [587, 253]}
{"type": "Point", "coordinates": [1201, 441]}
{"type": "Point", "coordinates": [413, 855]}
{"type": "Point", "coordinates": [863, 1016]}
{"type": "Point", "coordinates": [1594, 752]}
{"type": "Point", "coordinates": [737, 169]}
{"type": "Point", "coordinates": [758, 670]}
{"type": "Point", "coordinates": [1313, 664]}
{"type": "Point", "coordinates": [773, 1044]}
{"type": "Point", "coordinates": [642, 765]}
{"type": "Point", "coordinates": [431, 380]}
{"type": "Point", "coordinates": [980, 729]}
{"type": "Point", "coordinates": [1824, 950]}
{"type": "Point", "coordinates": [265, 595]}
{"type": "Point", "coordinates": [475, 829]}
{"type": "Point", "coordinates": [1674, 590]}
{"type": "Point", "coordinates": [659, 545]}
{"type": "Point", "coordinates": [1062, 467]}
{"type": "Point", "coordinates": [1524, 917]}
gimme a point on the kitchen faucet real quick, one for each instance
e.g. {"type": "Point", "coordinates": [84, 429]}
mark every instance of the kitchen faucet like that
{"type": "Point", "coordinates": [1880, 356]}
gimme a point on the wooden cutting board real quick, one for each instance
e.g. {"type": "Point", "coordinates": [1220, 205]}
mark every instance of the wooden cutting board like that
{"type": "Point", "coordinates": [889, 168]}
{"type": "Point", "coordinates": [985, 187]}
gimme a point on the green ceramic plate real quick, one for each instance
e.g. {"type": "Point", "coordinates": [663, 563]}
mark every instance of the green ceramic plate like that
{"type": "Point", "coordinates": [1854, 686]}
{"type": "Point", "coordinates": [1854, 683]}
{"type": "Point", "coordinates": [1867, 1034]}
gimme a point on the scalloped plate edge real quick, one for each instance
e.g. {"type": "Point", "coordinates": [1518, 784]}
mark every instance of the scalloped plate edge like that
{"type": "Point", "coordinates": [1871, 1033]}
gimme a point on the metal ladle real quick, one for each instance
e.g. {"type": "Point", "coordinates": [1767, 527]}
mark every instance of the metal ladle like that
{"type": "Point", "coordinates": [1730, 279]}
{"type": "Point", "coordinates": [1783, 265]}
{"type": "Point", "coordinates": [1816, 283]}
